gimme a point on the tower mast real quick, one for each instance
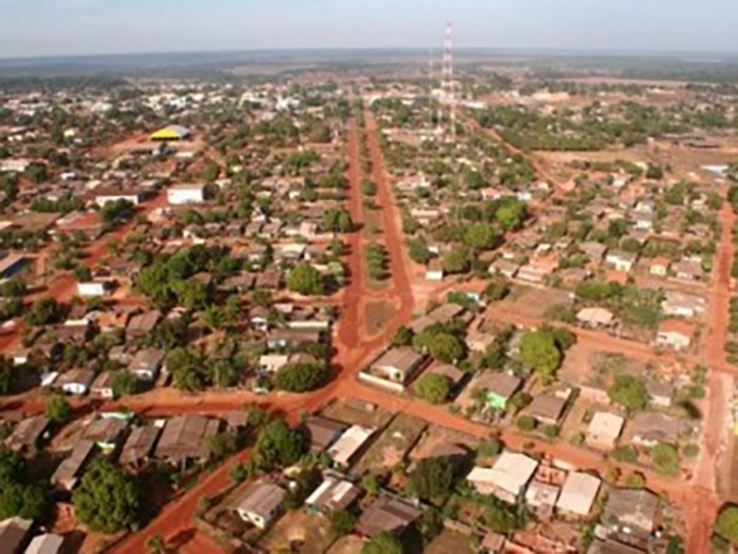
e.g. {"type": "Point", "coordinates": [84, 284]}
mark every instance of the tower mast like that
{"type": "Point", "coordinates": [449, 92]}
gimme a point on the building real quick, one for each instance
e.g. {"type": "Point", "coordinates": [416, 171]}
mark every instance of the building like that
{"type": "Point", "coordinates": [604, 430]}
{"type": "Point", "coordinates": [546, 409]}
{"type": "Point", "coordinates": [499, 388]}
{"type": "Point", "coordinates": [12, 264]}
{"type": "Point", "coordinates": [92, 288]}
{"type": "Point", "coordinates": [111, 195]}
{"type": "Point", "coordinates": [27, 435]}
{"type": "Point", "coordinates": [631, 511]}
{"type": "Point", "coordinates": [146, 364]}
{"type": "Point", "coordinates": [102, 386]}
{"type": "Point", "coordinates": [675, 333]}
{"type": "Point", "coordinates": [178, 195]}
{"type": "Point", "coordinates": [139, 446]}
{"type": "Point", "coordinates": [185, 438]}
{"type": "Point", "coordinates": [323, 432]}
{"type": "Point", "coordinates": [578, 494]}
{"type": "Point", "coordinates": [14, 534]}
{"type": "Point", "coordinates": [141, 324]}
{"type": "Point", "coordinates": [344, 449]}
{"type": "Point", "coordinates": [68, 473]}
{"type": "Point", "coordinates": [660, 394]}
{"type": "Point", "coordinates": [659, 267]}
{"type": "Point", "coordinates": [434, 271]}
{"type": "Point", "coordinates": [171, 133]}
{"type": "Point", "coordinates": [261, 504]}
{"type": "Point", "coordinates": [45, 544]}
{"type": "Point", "coordinates": [394, 368]}
{"type": "Point", "coordinates": [508, 477]}
{"type": "Point", "coordinates": [651, 428]}
{"type": "Point", "coordinates": [542, 498]}
{"type": "Point", "coordinates": [595, 317]}
{"type": "Point", "coordinates": [76, 381]}
{"type": "Point", "coordinates": [334, 494]}
{"type": "Point", "coordinates": [679, 304]}
{"type": "Point", "coordinates": [106, 432]}
{"type": "Point", "coordinates": [621, 261]}
{"type": "Point", "coordinates": [387, 514]}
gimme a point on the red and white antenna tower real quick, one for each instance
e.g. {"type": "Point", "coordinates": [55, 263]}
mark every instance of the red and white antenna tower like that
{"type": "Point", "coordinates": [448, 78]}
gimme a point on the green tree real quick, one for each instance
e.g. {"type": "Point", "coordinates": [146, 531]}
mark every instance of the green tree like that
{"type": "Point", "coordinates": [383, 543]}
{"type": "Point", "coordinates": [337, 220]}
{"type": "Point", "coordinates": [447, 348]}
{"type": "Point", "coordinates": [125, 383]}
{"type": "Point", "coordinates": [635, 480]}
{"type": "Point", "coordinates": [278, 445]}
{"type": "Point", "coordinates": [403, 337]}
{"type": "Point", "coordinates": [7, 375]}
{"type": "Point", "coordinates": [156, 544]}
{"type": "Point", "coordinates": [342, 523]}
{"type": "Point", "coordinates": [538, 350]}
{"type": "Point", "coordinates": [665, 459]}
{"type": "Point", "coordinates": [456, 261]}
{"type": "Point", "coordinates": [305, 279]}
{"type": "Point", "coordinates": [44, 312]}
{"type": "Point", "coordinates": [433, 388]}
{"type": "Point", "coordinates": [727, 523]}
{"type": "Point", "coordinates": [301, 377]}
{"type": "Point", "coordinates": [630, 392]}
{"type": "Point", "coordinates": [479, 236]}
{"type": "Point", "coordinates": [511, 213]}
{"type": "Point", "coordinates": [108, 498]}
{"type": "Point", "coordinates": [58, 409]}
{"type": "Point", "coordinates": [432, 479]}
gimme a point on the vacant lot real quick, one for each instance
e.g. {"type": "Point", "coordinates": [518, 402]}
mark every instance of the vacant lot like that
{"type": "Point", "coordinates": [308, 534]}
{"type": "Point", "coordinates": [449, 541]}
{"type": "Point", "coordinates": [436, 436]}
{"type": "Point", "coordinates": [355, 412]}
{"type": "Point", "coordinates": [532, 301]}
{"type": "Point", "coordinates": [376, 316]}
{"type": "Point", "coordinates": [393, 445]}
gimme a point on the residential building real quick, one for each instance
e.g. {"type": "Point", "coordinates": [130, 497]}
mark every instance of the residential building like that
{"type": "Point", "coordinates": [139, 446]}
{"type": "Point", "coordinates": [675, 333]}
{"type": "Point", "coordinates": [323, 432]}
{"type": "Point", "coordinates": [546, 409]}
{"type": "Point", "coordinates": [578, 494]}
{"type": "Point", "coordinates": [350, 442]}
{"type": "Point", "coordinates": [387, 514]}
{"type": "Point", "coordinates": [261, 504]}
{"type": "Point", "coordinates": [27, 434]}
{"type": "Point", "coordinates": [178, 195]}
{"type": "Point", "coordinates": [75, 381]}
{"type": "Point", "coordinates": [185, 438]}
{"type": "Point", "coordinates": [146, 363]}
{"type": "Point", "coordinates": [507, 478]}
{"type": "Point", "coordinates": [394, 368]}
{"type": "Point", "coordinates": [631, 511]}
{"type": "Point", "coordinates": [651, 428]}
{"type": "Point", "coordinates": [333, 494]}
{"type": "Point", "coordinates": [604, 430]}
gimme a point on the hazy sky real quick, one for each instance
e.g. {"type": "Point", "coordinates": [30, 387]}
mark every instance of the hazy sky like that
{"type": "Point", "coordinates": [63, 27]}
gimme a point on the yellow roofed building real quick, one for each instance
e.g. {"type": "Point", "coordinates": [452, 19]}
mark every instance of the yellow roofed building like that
{"type": "Point", "coordinates": [172, 132]}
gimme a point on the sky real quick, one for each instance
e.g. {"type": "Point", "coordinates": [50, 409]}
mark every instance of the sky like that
{"type": "Point", "coordinates": [30, 28]}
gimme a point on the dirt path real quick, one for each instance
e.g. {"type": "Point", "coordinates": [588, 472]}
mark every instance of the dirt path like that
{"type": "Point", "coordinates": [720, 383]}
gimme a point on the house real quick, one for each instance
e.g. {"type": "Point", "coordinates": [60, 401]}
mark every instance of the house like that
{"type": "Point", "coordinates": [178, 195]}
{"type": "Point", "coordinates": [171, 133]}
{"type": "Point", "coordinates": [542, 498]}
{"type": "Point", "coordinates": [75, 381]}
{"type": "Point", "coordinates": [102, 386]}
{"type": "Point", "coordinates": [611, 546]}
{"type": "Point", "coordinates": [141, 324]}
{"type": "Point", "coordinates": [675, 333]}
{"type": "Point", "coordinates": [631, 511]}
{"type": "Point", "coordinates": [578, 494]}
{"type": "Point", "coordinates": [104, 196]}
{"type": "Point", "coordinates": [27, 434]}
{"type": "Point", "coordinates": [689, 270]}
{"type": "Point", "coordinates": [499, 388]}
{"type": "Point", "coordinates": [659, 267]}
{"type": "Point", "coordinates": [271, 363]}
{"type": "Point", "coordinates": [333, 494]}
{"type": "Point", "coordinates": [604, 430]}
{"type": "Point", "coordinates": [546, 409]}
{"type": "Point", "coordinates": [504, 267]}
{"type": "Point", "coordinates": [285, 338]}
{"type": "Point", "coordinates": [14, 165]}
{"type": "Point", "coordinates": [595, 251]}
{"type": "Point", "coordinates": [323, 432]}
{"type": "Point", "coordinates": [139, 446]}
{"type": "Point", "coordinates": [493, 543]}
{"type": "Point", "coordinates": [395, 366]}
{"type": "Point", "coordinates": [660, 394]}
{"type": "Point", "coordinates": [92, 288]}
{"type": "Point", "coordinates": [185, 438]}
{"type": "Point", "coordinates": [508, 477]}
{"type": "Point", "coordinates": [596, 317]}
{"type": "Point", "coordinates": [146, 364]}
{"type": "Point", "coordinates": [106, 432]}
{"type": "Point", "coordinates": [261, 504]}
{"type": "Point", "coordinates": [443, 314]}
{"type": "Point", "coordinates": [68, 473]}
{"type": "Point", "coordinates": [679, 304]}
{"type": "Point", "coordinates": [621, 261]}
{"type": "Point", "coordinates": [14, 534]}
{"type": "Point", "coordinates": [47, 543]}
{"type": "Point", "coordinates": [387, 514]}
{"type": "Point", "coordinates": [348, 444]}
{"type": "Point", "coordinates": [434, 271]}
{"type": "Point", "coordinates": [651, 428]}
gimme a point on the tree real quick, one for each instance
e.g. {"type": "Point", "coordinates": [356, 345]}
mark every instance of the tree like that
{"type": "Point", "coordinates": [503, 518]}
{"type": "Point", "coordinates": [418, 251]}
{"type": "Point", "coordinates": [665, 459]}
{"type": "Point", "coordinates": [433, 388]}
{"type": "Point", "coordinates": [58, 409]}
{"type": "Point", "coordinates": [7, 375]}
{"type": "Point", "coordinates": [447, 348]}
{"type": "Point", "coordinates": [156, 544]}
{"type": "Point", "coordinates": [125, 383]}
{"type": "Point", "coordinates": [456, 261]}
{"type": "Point", "coordinates": [383, 543]}
{"type": "Point", "coordinates": [727, 523]}
{"type": "Point", "coordinates": [342, 522]}
{"type": "Point", "coordinates": [403, 337]}
{"type": "Point", "coordinates": [479, 236]}
{"type": "Point", "coordinates": [119, 210]}
{"type": "Point", "coordinates": [305, 279]}
{"type": "Point", "coordinates": [511, 213]}
{"type": "Point", "coordinates": [432, 479]}
{"type": "Point", "coordinates": [370, 484]}
{"type": "Point", "coordinates": [37, 172]}
{"type": "Point", "coordinates": [108, 498]}
{"type": "Point", "coordinates": [526, 423]}
{"type": "Point", "coordinates": [630, 392]}
{"type": "Point", "coordinates": [538, 350]}
{"type": "Point", "coordinates": [19, 496]}
{"type": "Point", "coordinates": [337, 220]}
{"type": "Point", "coordinates": [278, 445]}
{"type": "Point", "coordinates": [635, 480]}
{"type": "Point", "coordinates": [301, 377]}
{"type": "Point", "coordinates": [43, 312]}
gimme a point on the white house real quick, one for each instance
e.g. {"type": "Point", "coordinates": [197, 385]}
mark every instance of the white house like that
{"type": "Point", "coordinates": [186, 194]}
{"type": "Point", "coordinates": [434, 272]}
{"type": "Point", "coordinates": [108, 196]}
{"type": "Point", "coordinates": [16, 166]}
{"type": "Point", "coordinates": [76, 381]}
{"type": "Point", "coordinates": [147, 363]}
{"type": "Point", "coordinates": [91, 288]}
